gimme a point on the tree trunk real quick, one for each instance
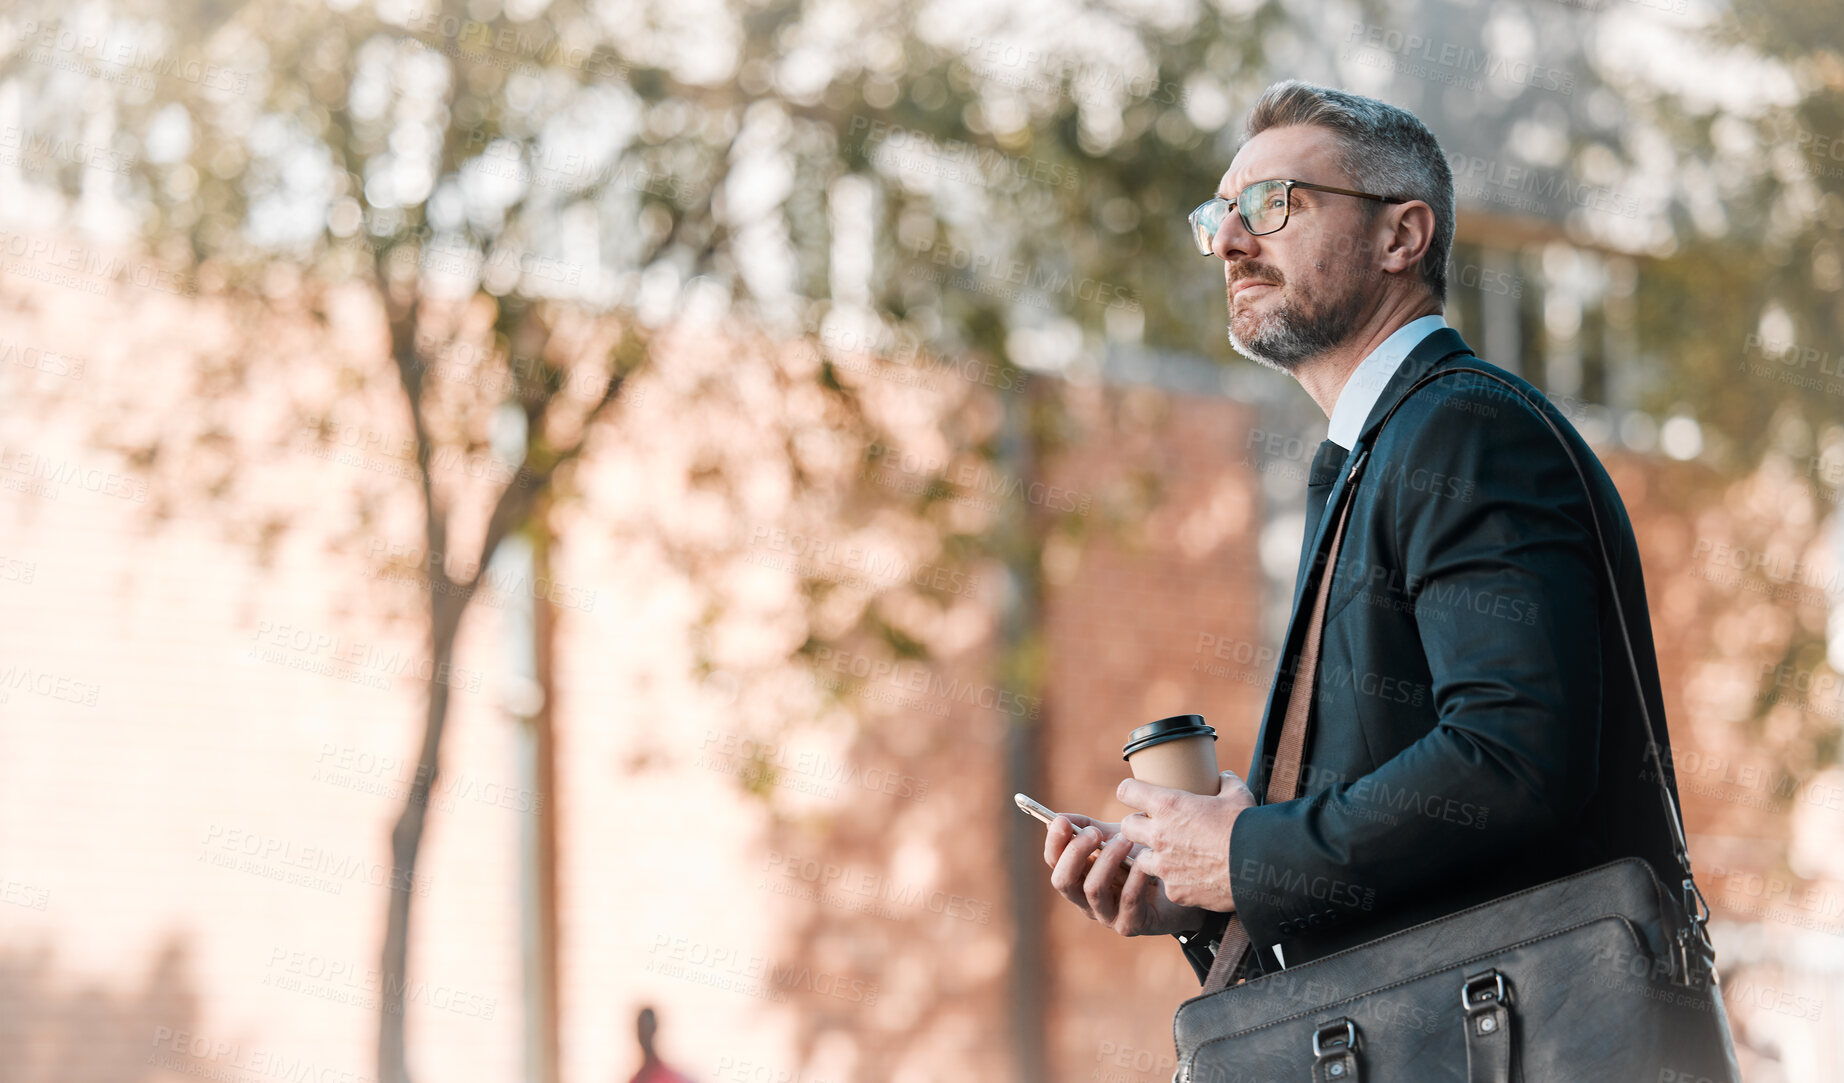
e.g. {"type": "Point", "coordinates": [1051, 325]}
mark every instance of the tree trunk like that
{"type": "Point", "coordinates": [544, 966]}
{"type": "Point", "coordinates": [446, 607]}
{"type": "Point", "coordinates": [1021, 618]}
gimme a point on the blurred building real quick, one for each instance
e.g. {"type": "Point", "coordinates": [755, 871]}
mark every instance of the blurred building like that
{"type": "Point", "coordinates": [203, 744]}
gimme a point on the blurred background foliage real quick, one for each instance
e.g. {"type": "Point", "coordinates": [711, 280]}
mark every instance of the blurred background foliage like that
{"type": "Point", "coordinates": [827, 167]}
{"type": "Point", "coordinates": [1002, 186]}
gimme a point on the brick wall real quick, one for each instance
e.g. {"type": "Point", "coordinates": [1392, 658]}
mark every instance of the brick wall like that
{"type": "Point", "coordinates": [193, 805]}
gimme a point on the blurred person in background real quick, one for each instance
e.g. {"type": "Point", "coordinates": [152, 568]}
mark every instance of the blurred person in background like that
{"type": "Point", "coordinates": [652, 1068]}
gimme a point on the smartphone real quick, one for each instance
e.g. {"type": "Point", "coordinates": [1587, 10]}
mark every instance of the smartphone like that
{"type": "Point", "coordinates": [1034, 808]}
{"type": "Point", "coordinates": [1038, 810]}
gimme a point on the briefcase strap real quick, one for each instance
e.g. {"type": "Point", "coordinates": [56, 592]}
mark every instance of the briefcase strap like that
{"type": "Point", "coordinates": [1488, 1028]}
{"type": "Point", "coordinates": [1335, 1052]}
{"type": "Point", "coordinates": [1234, 953]}
{"type": "Point", "coordinates": [1693, 933]}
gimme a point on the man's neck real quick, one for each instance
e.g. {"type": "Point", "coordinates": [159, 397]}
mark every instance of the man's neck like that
{"type": "Point", "coordinates": [1325, 376]}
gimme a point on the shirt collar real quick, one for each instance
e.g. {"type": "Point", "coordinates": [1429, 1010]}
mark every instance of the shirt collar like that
{"type": "Point", "coordinates": [1371, 375]}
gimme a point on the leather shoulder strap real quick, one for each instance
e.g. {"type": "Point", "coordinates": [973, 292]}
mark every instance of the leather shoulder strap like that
{"type": "Point", "coordinates": [1695, 907]}
{"type": "Point", "coordinates": [1233, 956]}
{"type": "Point", "coordinates": [1672, 815]}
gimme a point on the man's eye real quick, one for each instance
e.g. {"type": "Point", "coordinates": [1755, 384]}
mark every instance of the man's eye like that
{"type": "Point", "coordinates": [1277, 201]}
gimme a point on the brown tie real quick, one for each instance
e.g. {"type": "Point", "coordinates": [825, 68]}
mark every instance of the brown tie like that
{"type": "Point", "coordinates": [1233, 952]}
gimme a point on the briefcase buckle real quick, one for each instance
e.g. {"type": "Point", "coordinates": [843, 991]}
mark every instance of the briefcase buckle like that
{"type": "Point", "coordinates": [1695, 928]}
{"type": "Point", "coordinates": [1695, 905]}
{"type": "Point", "coordinates": [1474, 994]}
{"type": "Point", "coordinates": [1345, 1032]}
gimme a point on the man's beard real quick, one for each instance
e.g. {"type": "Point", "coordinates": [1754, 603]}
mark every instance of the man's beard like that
{"type": "Point", "coordinates": [1290, 334]}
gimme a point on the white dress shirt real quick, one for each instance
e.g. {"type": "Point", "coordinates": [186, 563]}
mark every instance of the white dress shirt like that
{"type": "Point", "coordinates": [1371, 375]}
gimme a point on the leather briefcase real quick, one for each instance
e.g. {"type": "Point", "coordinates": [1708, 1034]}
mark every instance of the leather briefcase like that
{"type": "Point", "coordinates": [1602, 975]}
{"type": "Point", "coordinates": [1574, 980]}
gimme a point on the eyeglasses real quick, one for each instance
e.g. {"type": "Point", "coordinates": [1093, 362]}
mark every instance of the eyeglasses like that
{"type": "Point", "coordinates": [1263, 207]}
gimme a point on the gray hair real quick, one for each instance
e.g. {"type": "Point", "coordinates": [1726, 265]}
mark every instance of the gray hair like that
{"type": "Point", "coordinates": [1387, 151]}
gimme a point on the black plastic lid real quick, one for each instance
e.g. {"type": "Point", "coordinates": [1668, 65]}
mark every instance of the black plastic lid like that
{"type": "Point", "coordinates": [1167, 729]}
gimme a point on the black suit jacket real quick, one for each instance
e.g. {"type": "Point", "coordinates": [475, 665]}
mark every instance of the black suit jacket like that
{"type": "Point", "coordinates": [1474, 727]}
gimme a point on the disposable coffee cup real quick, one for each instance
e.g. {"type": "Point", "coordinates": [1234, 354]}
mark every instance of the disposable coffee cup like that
{"type": "Point", "coordinates": [1179, 752]}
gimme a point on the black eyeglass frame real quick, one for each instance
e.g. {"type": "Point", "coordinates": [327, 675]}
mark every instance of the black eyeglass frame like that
{"type": "Point", "coordinates": [1206, 243]}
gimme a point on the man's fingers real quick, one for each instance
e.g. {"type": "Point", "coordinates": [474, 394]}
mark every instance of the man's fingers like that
{"type": "Point", "coordinates": [1102, 885]}
{"type": "Point", "coordinates": [1060, 830]}
{"type": "Point", "coordinates": [1057, 834]}
{"type": "Point", "coordinates": [1136, 898]}
{"type": "Point", "coordinates": [1072, 867]}
{"type": "Point", "coordinates": [1138, 827]}
{"type": "Point", "coordinates": [1146, 860]}
{"type": "Point", "coordinates": [1147, 797]}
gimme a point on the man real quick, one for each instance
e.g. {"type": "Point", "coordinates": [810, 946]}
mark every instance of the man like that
{"type": "Point", "coordinates": [652, 1068]}
{"type": "Point", "coordinates": [1473, 726]}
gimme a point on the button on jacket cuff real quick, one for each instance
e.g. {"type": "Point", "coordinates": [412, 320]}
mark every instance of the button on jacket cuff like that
{"type": "Point", "coordinates": [1257, 902]}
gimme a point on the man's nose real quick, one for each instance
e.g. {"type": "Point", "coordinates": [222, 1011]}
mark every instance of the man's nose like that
{"type": "Point", "coordinates": [1233, 239]}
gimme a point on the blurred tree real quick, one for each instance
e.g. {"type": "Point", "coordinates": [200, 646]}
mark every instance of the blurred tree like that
{"type": "Point", "coordinates": [1745, 311]}
{"type": "Point", "coordinates": [533, 194]}
{"type": "Point", "coordinates": [1745, 304]}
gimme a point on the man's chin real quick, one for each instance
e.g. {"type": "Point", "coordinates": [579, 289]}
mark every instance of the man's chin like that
{"type": "Point", "coordinates": [1260, 356]}
{"type": "Point", "coordinates": [1258, 351]}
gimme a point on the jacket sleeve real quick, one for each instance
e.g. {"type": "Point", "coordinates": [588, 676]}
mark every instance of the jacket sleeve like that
{"type": "Point", "coordinates": [1499, 560]}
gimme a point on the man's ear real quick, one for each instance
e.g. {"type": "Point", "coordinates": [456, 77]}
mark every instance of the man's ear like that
{"type": "Point", "coordinates": [1410, 234]}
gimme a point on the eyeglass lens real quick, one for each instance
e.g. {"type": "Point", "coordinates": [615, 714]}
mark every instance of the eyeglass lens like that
{"type": "Point", "coordinates": [1263, 206]}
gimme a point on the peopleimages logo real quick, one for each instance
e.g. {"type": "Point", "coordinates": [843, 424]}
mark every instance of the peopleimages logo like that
{"type": "Point", "coordinates": [815, 771]}
{"type": "Point", "coordinates": [721, 966]}
{"type": "Point", "coordinates": [470, 38]}
{"type": "Point", "coordinates": [911, 150]}
{"type": "Point", "coordinates": [922, 680]}
{"type": "Point", "coordinates": [1487, 178]}
{"type": "Point", "coordinates": [345, 981]}
{"type": "Point", "coordinates": [970, 269]}
{"type": "Point", "coordinates": [825, 881]}
{"type": "Point", "coordinates": [37, 359]}
{"type": "Point", "coordinates": [976, 481]}
{"type": "Point", "coordinates": [1046, 72]}
{"type": "Point", "coordinates": [21, 147]}
{"type": "Point", "coordinates": [206, 1057]}
{"type": "Point", "coordinates": [1289, 881]}
{"type": "Point", "coordinates": [352, 768]}
{"type": "Point", "coordinates": [121, 58]}
{"type": "Point", "coordinates": [1459, 58]}
{"type": "Point", "coordinates": [38, 682]}
{"type": "Point", "coordinates": [1778, 568]}
{"type": "Point", "coordinates": [61, 263]}
{"type": "Point", "coordinates": [46, 475]}
{"type": "Point", "coordinates": [368, 664]}
{"type": "Point", "coordinates": [861, 565]}
{"type": "Point", "coordinates": [1793, 355]}
{"type": "Point", "coordinates": [315, 867]}
{"type": "Point", "coordinates": [903, 359]}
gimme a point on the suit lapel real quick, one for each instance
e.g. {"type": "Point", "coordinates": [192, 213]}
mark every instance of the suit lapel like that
{"type": "Point", "coordinates": [1430, 352]}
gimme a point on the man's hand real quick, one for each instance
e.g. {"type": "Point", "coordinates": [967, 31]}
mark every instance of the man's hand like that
{"type": "Point", "coordinates": [1135, 906]}
{"type": "Point", "coordinates": [1186, 836]}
